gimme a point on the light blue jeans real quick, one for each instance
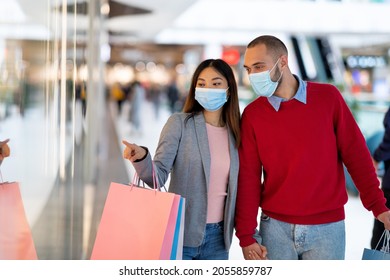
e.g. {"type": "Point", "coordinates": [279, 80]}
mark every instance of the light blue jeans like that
{"type": "Point", "coordinates": [286, 241]}
{"type": "Point", "coordinates": [212, 247]}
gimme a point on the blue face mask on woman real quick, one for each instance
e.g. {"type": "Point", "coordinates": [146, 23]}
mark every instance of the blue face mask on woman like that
{"type": "Point", "coordinates": [211, 99]}
{"type": "Point", "coordinates": [262, 84]}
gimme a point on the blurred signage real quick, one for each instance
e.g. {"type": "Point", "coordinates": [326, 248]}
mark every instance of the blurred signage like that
{"type": "Point", "coordinates": [231, 56]}
{"type": "Point", "coordinates": [365, 61]}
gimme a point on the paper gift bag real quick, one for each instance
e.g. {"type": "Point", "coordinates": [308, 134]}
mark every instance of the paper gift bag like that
{"type": "Point", "coordinates": [173, 241]}
{"type": "Point", "coordinates": [167, 245]}
{"type": "Point", "coordinates": [177, 247]}
{"type": "Point", "coordinates": [16, 242]}
{"type": "Point", "coordinates": [383, 253]}
{"type": "Point", "coordinates": [135, 224]}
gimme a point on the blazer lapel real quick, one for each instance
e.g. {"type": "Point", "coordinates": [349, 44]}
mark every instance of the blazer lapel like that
{"type": "Point", "coordinates": [203, 142]}
{"type": "Point", "coordinates": [234, 161]}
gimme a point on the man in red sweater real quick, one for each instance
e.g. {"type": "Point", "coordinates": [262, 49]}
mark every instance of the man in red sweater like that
{"type": "Point", "coordinates": [296, 136]}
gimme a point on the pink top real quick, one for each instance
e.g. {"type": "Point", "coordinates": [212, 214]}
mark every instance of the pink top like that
{"type": "Point", "coordinates": [219, 172]}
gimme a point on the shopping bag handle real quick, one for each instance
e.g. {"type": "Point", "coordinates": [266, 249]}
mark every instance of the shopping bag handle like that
{"type": "Point", "coordinates": [137, 180]}
{"type": "Point", "coordinates": [386, 241]}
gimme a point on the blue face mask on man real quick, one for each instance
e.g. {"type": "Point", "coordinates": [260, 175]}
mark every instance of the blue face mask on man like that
{"type": "Point", "coordinates": [211, 99]}
{"type": "Point", "coordinates": [262, 84]}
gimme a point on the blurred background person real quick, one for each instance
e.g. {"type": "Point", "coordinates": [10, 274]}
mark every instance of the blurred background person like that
{"type": "Point", "coordinates": [118, 95]}
{"type": "Point", "coordinates": [154, 95]}
{"type": "Point", "coordinates": [173, 96]}
{"type": "Point", "coordinates": [137, 99]}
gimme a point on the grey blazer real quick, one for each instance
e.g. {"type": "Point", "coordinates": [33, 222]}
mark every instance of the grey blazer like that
{"type": "Point", "coordinates": [183, 151]}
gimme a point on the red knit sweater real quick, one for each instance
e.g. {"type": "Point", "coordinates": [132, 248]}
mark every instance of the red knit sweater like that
{"type": "Point", "coordinates": [301, 149]}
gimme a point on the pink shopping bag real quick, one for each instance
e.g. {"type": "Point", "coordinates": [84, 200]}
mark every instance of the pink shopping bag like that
{"type": "Point", "coordinates": [16, 242]}
{"type": "Point", "coordinates": [166, 249]}
{"type": "Point", "coordinates": [135, 224]}
{"type": "Point", "coordinates": [177, 246]}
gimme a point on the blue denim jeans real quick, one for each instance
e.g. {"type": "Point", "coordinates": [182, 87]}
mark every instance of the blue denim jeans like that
{"type": "Point", "coordinates": [212, 247]}
{"type": "Point", "coordinates": [286, 241]}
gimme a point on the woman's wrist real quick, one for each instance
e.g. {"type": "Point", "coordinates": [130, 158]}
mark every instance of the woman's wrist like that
{"type": "Point", "coordinates": [146, 154]}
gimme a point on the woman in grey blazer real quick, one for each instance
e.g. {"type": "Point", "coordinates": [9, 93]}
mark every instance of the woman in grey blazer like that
{"type": "Point", "coordinates": [198, 148]}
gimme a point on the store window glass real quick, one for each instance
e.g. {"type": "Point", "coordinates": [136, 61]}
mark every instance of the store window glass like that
{"type": "Point", "coordinates": [45, 61]}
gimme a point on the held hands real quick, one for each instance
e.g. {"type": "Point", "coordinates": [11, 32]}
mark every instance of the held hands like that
{"type": "Point", "coordinates": [255, 251]}
{"type": "Point", "coordinates": [4, 149]}
{"type": "Point", "coordinates": [133, 152]}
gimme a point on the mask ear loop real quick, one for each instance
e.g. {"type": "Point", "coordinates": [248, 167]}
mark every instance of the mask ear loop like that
{"type": "Point", "coordinates": [276, 63]}
{"type": "Point", "coordinates": [281, 73]}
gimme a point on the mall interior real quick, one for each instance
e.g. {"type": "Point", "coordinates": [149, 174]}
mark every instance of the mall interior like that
{"type": "Point", "coordinates": [68, 76]}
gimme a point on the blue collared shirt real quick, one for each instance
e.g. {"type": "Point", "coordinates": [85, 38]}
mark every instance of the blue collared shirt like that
{"type": "Point", "coordinates": [300, 95]}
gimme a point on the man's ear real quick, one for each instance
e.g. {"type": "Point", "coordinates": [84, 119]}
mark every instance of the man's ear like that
{"type": "Point", "coordinates": [284, 61]}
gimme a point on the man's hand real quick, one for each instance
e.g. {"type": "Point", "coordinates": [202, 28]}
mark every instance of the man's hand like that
{"type": "Point", "coordinates": [385, 219]}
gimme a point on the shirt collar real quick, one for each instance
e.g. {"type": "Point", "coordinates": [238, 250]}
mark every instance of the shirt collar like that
{"type": "Point", "coordinates": [300, 95]}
